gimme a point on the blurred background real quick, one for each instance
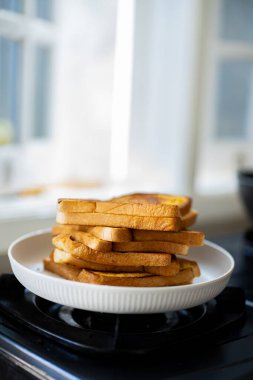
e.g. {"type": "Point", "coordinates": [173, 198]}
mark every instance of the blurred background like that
{"type": "Point", "coordinates": [104, 97]}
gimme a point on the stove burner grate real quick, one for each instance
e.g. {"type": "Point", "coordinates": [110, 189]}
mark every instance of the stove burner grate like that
{"type": "Point", "coordinates": [126, 323]}
{"type": "Point", "coordinates": [114, 333]}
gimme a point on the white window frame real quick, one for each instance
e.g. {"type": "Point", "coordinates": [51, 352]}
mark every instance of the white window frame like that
{"type": "Point", "coordinates": [214, 51]}
{"type": "Point", "coordinates": [200, 19]}
{"type": "Point", "coordinates": [30, 31]}
{"type": "Point", "coordinates": [177, 17]}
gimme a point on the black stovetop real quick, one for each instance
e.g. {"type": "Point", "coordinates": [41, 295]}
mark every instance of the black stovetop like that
{"type": "Point", "coordinates": [39, 339]}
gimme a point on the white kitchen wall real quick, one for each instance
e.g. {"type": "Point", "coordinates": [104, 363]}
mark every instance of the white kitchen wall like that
{"type": "Point", "coordinates": [84, 81]}
{"type": "Point", "coordinates": [165, 64]}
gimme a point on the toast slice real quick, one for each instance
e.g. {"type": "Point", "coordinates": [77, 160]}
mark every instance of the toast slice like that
{"type": "Point", "coordinates": [58, 229]}
{"type": "Point", "coordinates": [135, 222]}
{"type": "Point", "coordinates": [168, 270]}
{"type": "Point", "coordinates": [104, 233]}
{"type": "Point", "coordinates": [151, 246]}
{"type": "Point", "coordinates": [70, 272]}
{"type": "Point", "coordinates": [61, 257]}
{"type": "Point", "coordinates": [77, 249]}
{"type": "Point", "coordinates": [184, 264]}
{"type": "Point", "coordinates": [177, 264]}
{"type": "Point", "coordinates": [139, 204]}
{"type": "Point", "coordinates": [190, 238]}
{"type": "Point", "coordinates": [189, 219]}
{"type": "Point", "coordinates": [92, 241]}
{"type": "Point", "coordinates": [154, 204]}
{"type": "Point", "coordinates": [67, 271]}
{"type": "Point", "coordinates": [127, 279]}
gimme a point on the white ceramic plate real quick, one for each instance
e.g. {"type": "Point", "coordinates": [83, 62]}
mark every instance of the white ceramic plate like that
{"type": "Point", "coordinates": [27, 252]}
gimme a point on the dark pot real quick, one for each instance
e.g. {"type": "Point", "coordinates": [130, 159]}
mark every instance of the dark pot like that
{"type": "Point", "coordinates": [245, 179]}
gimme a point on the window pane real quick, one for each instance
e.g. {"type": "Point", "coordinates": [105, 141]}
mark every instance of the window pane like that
{"type": "Point", "coordinates": [233, 99]}
{"type": "Point", "coordinates": [236, 20]}
{"type": "Point", "coordinates": [10, 78]}
{"type": "Point", "coordinates": [41, 92]}
{"type": "Point", "coordinates": [44, 9]}
{"type": "Point", "coordinates": [12, 5]}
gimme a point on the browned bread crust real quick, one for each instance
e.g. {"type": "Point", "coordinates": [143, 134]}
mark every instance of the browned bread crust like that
{"type": "Point", "coordinates": [61, 257]}
{"type": "Point", "coordinates": [176, 265]}
{"type": "Point", "coordinates": [136, 222]}
{"type": "Point", "coordinates": [67, 271]}
{"type": "Point", "coordinates": [151, 246]}
{"type": "Point", "coordinates": [105, 233]}
{"type": "Point", "coordinates": [175, 271]}
{"type": "Point", "coordinates": [169, 270]}
{"type": "Point", "coordinates": [139, 204]}
{"type": "Point", "coordinates": [189, 219]}
{"type": "Point", "coordinates": [123, 279]}
{"type": "Point", "coordinates": [191, 238]}
{"type": "Point", "coordinates": [92, 241]}
{"type": "Point", "coordinates": [184, 264]}
{"type": "Point", "coordinates": [77, 249]}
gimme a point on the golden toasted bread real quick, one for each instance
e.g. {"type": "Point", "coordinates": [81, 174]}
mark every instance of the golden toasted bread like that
{"type": "Point", "coordinates": [130, 240]}
{"type": "Point", "coordinates": [114, 234]}
{"type": "Point", "coordinates": [128, 279]}
{"type": "Point", "coordinates": [67, 271]}
{"type": "Point", "coordinates": [188, 219]}
{"type": "Point", "coordinates": [184, 264]}
{"type": "Point", "coordinates": [168, 270]}
{"type": "Point", "coordinates": [158, 205]}
{"type": "Point", "coordinates": [190, 238]}
{"type": "Point", "coordinates": [153, 204]}
{"type": "Point", "coordinates": [104, 233]}
{"type": "Point", "coordinates": [113, 220]}
{"type": "Point", "coordinates": [68, 244]}
{"type": "Point", "coordinates": [76, 205]}
{"type": "Point", "coordinates": [70, 272]}
{"type": "Point", "coordinates": [111, 276]}
{"type": "Point", "coordinates": [61, 257]}
{"type": "Point", "coordinates": [92, 241]}
{"type": "Point", "coordinates": [58, 229]}
{"type": "Point", "coordinates": [151, 246]}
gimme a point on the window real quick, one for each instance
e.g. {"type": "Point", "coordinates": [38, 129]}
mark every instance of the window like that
{"type": "Point", "coordinates": [44, 9]}
{"type": "Point", "coordinates": [10, 88]}
{"type": "Point", "coordinates": [56, 83]}
{"type": "Point", "coordinates": [227, 120]}
{"type": "Point", "coordinates": [12, 5]}
{"type": "Point", "coordinates": [25, 49]}
{"type": "Point", "coordinates": [40, 117]}
{"type": "Point", "coordinates": [156, 94]}
{"type": "Point", "coordinates": [27, 39]}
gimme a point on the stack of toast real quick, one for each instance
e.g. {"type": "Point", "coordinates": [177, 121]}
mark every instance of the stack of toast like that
{"type": "Point", "coordinates": [135, 240]}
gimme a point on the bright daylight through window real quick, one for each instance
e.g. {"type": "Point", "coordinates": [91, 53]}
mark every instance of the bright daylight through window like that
{"type": "Point", "coordinates": [27, 35]}
{"type": "Point", "coordinates": [226, 125]}
{"type": "Point", "coordinates": [157, 94]}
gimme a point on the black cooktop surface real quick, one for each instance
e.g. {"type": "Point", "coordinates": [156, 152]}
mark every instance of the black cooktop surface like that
{"type": "Point", "coordinates": [40, 339]}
